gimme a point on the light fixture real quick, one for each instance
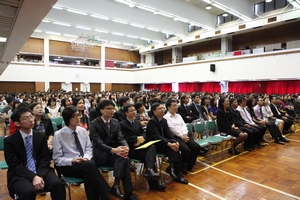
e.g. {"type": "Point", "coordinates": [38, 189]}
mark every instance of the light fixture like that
{"type": "Point", "coordinates": [153, 29]}
{"type": "Point", "coordinates": [76, 11]}
{"type": "Point", "coordinates": [3, 39]}
{"type": "Point", "coordinates": [38, 31]}
{"type": "Point", "coordinates": [137, 25]}
{"type": "Point", "coordinates": [57, 7]}
{"type": "Point", "coordinates": [83, 27]}
{"type": "Point", "coordinates": [132, 36]}
{"type": "Point", "coordinates": [100, 17]}
{"type": "Point", "coordinates": [62, 24]}
{"type": "Point", "coordinates": [52, 33]}
{"type": "Point", "coordinates": [73, 36]}
{"type": "Point", "coordinates": [208, 7]}
{"type": "Point", "coordinates": [119, 21]}
{"type": "Point", "coordinates": [225, 15]}
{"type": "Point", "coordinates": [117, 33]}
{"type": "Point", "coordinates": [268, 1]}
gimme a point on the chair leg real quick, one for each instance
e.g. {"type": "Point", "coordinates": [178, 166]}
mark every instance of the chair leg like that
{"type": "Point", "coordinates": [69, 189]}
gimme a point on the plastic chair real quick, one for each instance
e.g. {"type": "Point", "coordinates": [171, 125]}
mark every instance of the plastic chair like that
{"type": "Point", "coordinates": [136, 161]}
{"type": "Point", "coordinates": [54, 126]}
{"type": "Point", "coordinates": [3, 164]}
{"type": "Point", "coordinates": [57, 120]}
{"type": "Point", "coordinates": [160, 157]}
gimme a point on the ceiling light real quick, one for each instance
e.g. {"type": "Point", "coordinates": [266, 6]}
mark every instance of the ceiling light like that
{"type": "Point", "coordinates": [137, 25]}
{"type": "Point", "coordinates": [101, 31]}
{"type": "Point", "coordinates": [225, 15]}
{"type": "Point", "coordinates": [68, 35]}
{"type": "Point", "coordinates": [132, 36]}
{"type": "Point", "coordinates": [52, 33]}
{"type": "Point", "coordinates": [127, 44]}
{"type": "Point", "coordinates": [146, 8]}
{"type": "Point", "coordinates": [83, 27]}
{"type": "Point", "coordinates": [147, 39]}
{"type": "Point", "coordinates": [153, 29]}
{"type": "Point", "coordinates": [208, 7]}
{"type": "Point", "coordinates": [119, 21]}
{"type": "Point", "coordinates": [3, 39]}
{"type": "Point", "coordinates": [131, 5]}
{"type": "Point", "coordinates": [47, 21]}
{"type": "Point", "coordinates": [100, 17]}
{"type": "Point", "coordinates": [38, 31]}
{"type": "Point", "coordinates": [114, 42]}
{"type": "Point", "coordinates": [268, 1]}
{"type": "Point", "coordinates": [61, 23]}
{"type": "Point", "coordinates": [57, 7]}
{"type": "Point", "coordinates": [207, 1]}
{"type": "Point", "coordinates": [77, 12]}
{"type": "Point", "coordinates": [116, 33]}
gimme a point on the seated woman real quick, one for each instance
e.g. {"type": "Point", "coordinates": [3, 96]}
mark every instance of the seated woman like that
{"type": "Point", "coordinates": [225, 124]}
{"type": "Point", "coordinates": [41, 123]}
{"type": "Point", "coordinates": [213, 110]}
{"type": "Point", "coordinates": [84, 120]}
{"type": "Point", "coordinates": [93, 105]}
{"type": "Point", "coordinates": [52, 110]}
{"type": "Point", "coordinates": [204, 108]}
{"type": "Point", "coordinates": [268, 115]}
{"type": "Point", "coordinates": [141, 115]}
{"type": "Point", "coordinates": [64, 103]}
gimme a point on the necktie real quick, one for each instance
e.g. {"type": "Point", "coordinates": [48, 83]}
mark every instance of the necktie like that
{"type": "Point", "coordinates": [261, 114]}
{"type": "Point", "coordinates": [78, 144]}
{"type": "Point", "coordinates": [246, 115]}
{"type": "Point", "coordinates": [132, 122]}
{"type": "Point", "coordinates": [107, 126]}
{"type": "Point", "coordinates": [30, 159]}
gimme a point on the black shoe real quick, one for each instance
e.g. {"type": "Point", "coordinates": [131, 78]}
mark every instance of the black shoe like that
{"type": "Point", "coordinates": [115, 190]}
{"type": "Point", "coordinates": [261, 144]}
{"type": "Point", "coordinates": [257, 146]}
{"type": "Point", "coordinates": [235, 152]}
{"type": "Point", "coordinates": [181, 179]}
{"type": "Point", "coordinates": [247, 149]}
{"type": "Point", "coordinates": [150, 174]}
{"type": "Point", "coordinates": [171, 171]}
{"type": "Point", "coordinates": [158, 186]}
{"type": "Point", "coordinates": [279, 142]}
{"type": "Point", "coordinates": [130, 197]}
{"type": "Point", "coordinates": [284, 140]}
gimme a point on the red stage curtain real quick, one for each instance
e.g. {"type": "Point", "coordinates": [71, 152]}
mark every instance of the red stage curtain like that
{"type": "Point", "coordinates": [163, 87]}
{"type": "Point", "coordinates": [247, 87]}
{"type": "Point", "coordinates": [283, 87]}
{"type": "Point", "coordinates": [199, 87]}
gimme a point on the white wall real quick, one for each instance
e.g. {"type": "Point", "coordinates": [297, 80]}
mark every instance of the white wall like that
{"type": "Point", "coordinates": [272, 65]}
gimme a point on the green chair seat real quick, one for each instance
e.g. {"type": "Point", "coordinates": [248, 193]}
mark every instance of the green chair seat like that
{"type": "Point", "coordinates": [106, 168]}
{"type": "Point", "coordinates": [3, 165]}
{"type": "Point", "coordinates": [202, 143]}
{"type": "Point", "coordinates": [73, 180]}
{"type": "Point", "coordinates": [224, 138]}
{"type": "Point", "coordinates": [213, 140]}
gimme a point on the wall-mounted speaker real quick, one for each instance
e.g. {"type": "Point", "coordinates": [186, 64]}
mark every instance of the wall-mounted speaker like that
{"type": "Point", "coordinates": [212, 67]}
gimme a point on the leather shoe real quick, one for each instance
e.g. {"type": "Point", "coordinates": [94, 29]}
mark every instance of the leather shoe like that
{"type": "Point", "coordinates": [181, 179]}
{"type": "Point", "coordinates": [171, 171]}
{"type": "Point", "coordinates": [150, 174]}
{"type": "Point", "coordinates": [130, 197]}
{"type": "Point", "coordinates": [247, 148]}
{"type": "Point", "coordinates": [235, 152]}
{"type": "Point", "coordinates": [158, 186]}
{"type": "Point", "coordinates": [284, 140]}
{"type": "Point", "coordinates": [115, 190]}
{"type": "Point", "coordinates": [279, 142]}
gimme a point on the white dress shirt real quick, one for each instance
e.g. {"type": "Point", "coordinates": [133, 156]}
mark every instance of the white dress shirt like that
{"type": "Point", "coordinates": [64, 146]}
{"type": "Point", "coordinates": [176, 124]}
{"type": "Point", "coordinates": [245, 115]}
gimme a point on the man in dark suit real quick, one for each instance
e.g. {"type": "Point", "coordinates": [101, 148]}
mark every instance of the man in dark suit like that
{"type": "Point", "coordinates": [120, 115]}
{"type": "Point", "coordinates": [111, 149]}
{"type": "Point", "coordinates": [158, 129]}
{"type": "Point", "coordinates": [288, 120]}
{"type": "Point", "coordinates": [135, 136]}
{"type": "Point", "coordinates": [195, 108]}
{"type": "Point", "coordinates": [184, 109]}
{"type": "Point", "coordinates": [27, 156]}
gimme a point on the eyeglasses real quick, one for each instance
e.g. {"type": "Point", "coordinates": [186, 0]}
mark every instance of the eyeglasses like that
{"type": "Point", "coordinates": [27, 118]}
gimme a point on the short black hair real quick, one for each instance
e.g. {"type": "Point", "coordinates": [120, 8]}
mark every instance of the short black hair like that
{"type": "Point", "coordinates": [68, 113]}
{"type": "Point", "coordinates": [123, 100]}
{"type": "Point", "coordinates": [127, 106]}
{"type": "Point", "coordinates": [15, 117]}
{"type": "Point", "coordinates": [154, 106]}
{"type": "Point", "coordinates": [9, 100]}
{"type": "Point", "coordinates": [232, 100]}
{"type": "Point", "coordinates": [105, 103]}
{"type": "Point", "coordinates": [169, 102]}
{"type": "Point", "coordinates": [194, 96]}
{"type": "Point", "coordinates": [240, 100]}
{"type": "Point", "coordinates": [137, 105]}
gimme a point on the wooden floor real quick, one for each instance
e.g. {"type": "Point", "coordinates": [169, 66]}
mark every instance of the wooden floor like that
{"type": "Point", "coordinates": [272, 172]}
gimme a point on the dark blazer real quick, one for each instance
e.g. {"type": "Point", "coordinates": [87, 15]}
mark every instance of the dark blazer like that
{"type": "Point", "coordinates": [297, 107]}
{"type": "Point", "coordinates": [159, 130]}
{"type": "Point", "coordinates": [194, 112]}
{"type": "Point", "coordinates": [237, 118]}
{"type": "Point", "coordinates": [225, 120]}
{"type": "Point", "coordinates": [16, 158]}
{"type": "Point", "coordinates": [120, 115]}
{"type": "Point", "coordinates": [94, 114]}
{"type": "Point", "coordinates": [48, 127]}
{"type": "Point", "coordinates": [130, 133]}
{"type": "Point", "coordinates": [103, 141]}
{"type": "Point", "coordinates": [184, 112]}
{"type": "Point", "coordinates": [274, 111]}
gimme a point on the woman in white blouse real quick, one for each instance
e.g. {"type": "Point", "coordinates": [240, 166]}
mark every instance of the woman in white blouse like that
{"type": "Point", "coordinates": [268, 115]}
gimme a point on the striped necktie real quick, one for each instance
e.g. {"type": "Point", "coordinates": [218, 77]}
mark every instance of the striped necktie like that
{"type": "Point", "coordinates": [30, 158]}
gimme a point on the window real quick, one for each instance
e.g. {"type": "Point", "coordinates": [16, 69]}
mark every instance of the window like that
{"type": "Point", "coordinates": [263, 7]}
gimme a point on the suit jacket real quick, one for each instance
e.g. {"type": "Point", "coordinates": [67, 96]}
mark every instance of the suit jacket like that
{"type": "Point", "coordinates": [103, 140]}
{"type": "Point", "coordinates": [184, 112]}
{"type": "Point", "coordinates": [120, 115]}
{"type": "Point", "coordinates": [225, 120]}
{"type": "Point", "coordinates": [195, 114]}
{"type": "Point", "coordinates": [237, 118]}
{"type": "Point", "coordinates": [159, 130]}
{"type": "Point", "coordinates": [130, 133]}
{"type": "Point", "coordinates": [274, 111]}
{"type": "Point", "coordinates": [16, 158]}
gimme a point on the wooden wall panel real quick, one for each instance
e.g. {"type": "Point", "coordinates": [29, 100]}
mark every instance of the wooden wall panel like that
{"type": "Point", "coordinates": [125, 87]}
{"type": "Point", "coordinates": [65, 49]}
{"type": "Point", "coordinates": [54, 86]}
{"type": "Point", "coordinates": [39, 86]}
{"type": "Point", "coordinates": [33, 45]}
{"type": "Point", "coordinates": [17, 87]}
{"type": "Point", "coordinates": [208, 46]}
{"type": "Point", "coordinates": [108, 86]}
{"type": "Point", "coordinates": [122, 55]}
{"type": "Point", "coordinates": [74, 86]}
{"type": "Point", "coordinates": [258, 38]}
{"type": "Point", "coordinates": [95, 87]}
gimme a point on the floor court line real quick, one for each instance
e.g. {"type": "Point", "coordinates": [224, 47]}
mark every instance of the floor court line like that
{"type": "Point", "coordinates": [206, 191]}
{"type": "Point", "coordinates": [253, 182]}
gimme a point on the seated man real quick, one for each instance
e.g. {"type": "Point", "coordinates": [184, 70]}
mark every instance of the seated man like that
{"type": "Point", "coordinates": [111, 149]}
{"type": "Point", "coordinates": [158, 129]}
{"type": "Point", "coordinates": [72, 152]}
{"type": "Point", "coordinates": [28, 159]}
{"type": "Point", "coordinates": [120, 115]}
{"type": "Point", "coordinates": [135, 136]}
{"type": "Point", "coordinates": [195, 108]}
{"type": "Point", "coordinates": [184, 109]}
{"type": "Point", "coordinates": [188, 147]}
